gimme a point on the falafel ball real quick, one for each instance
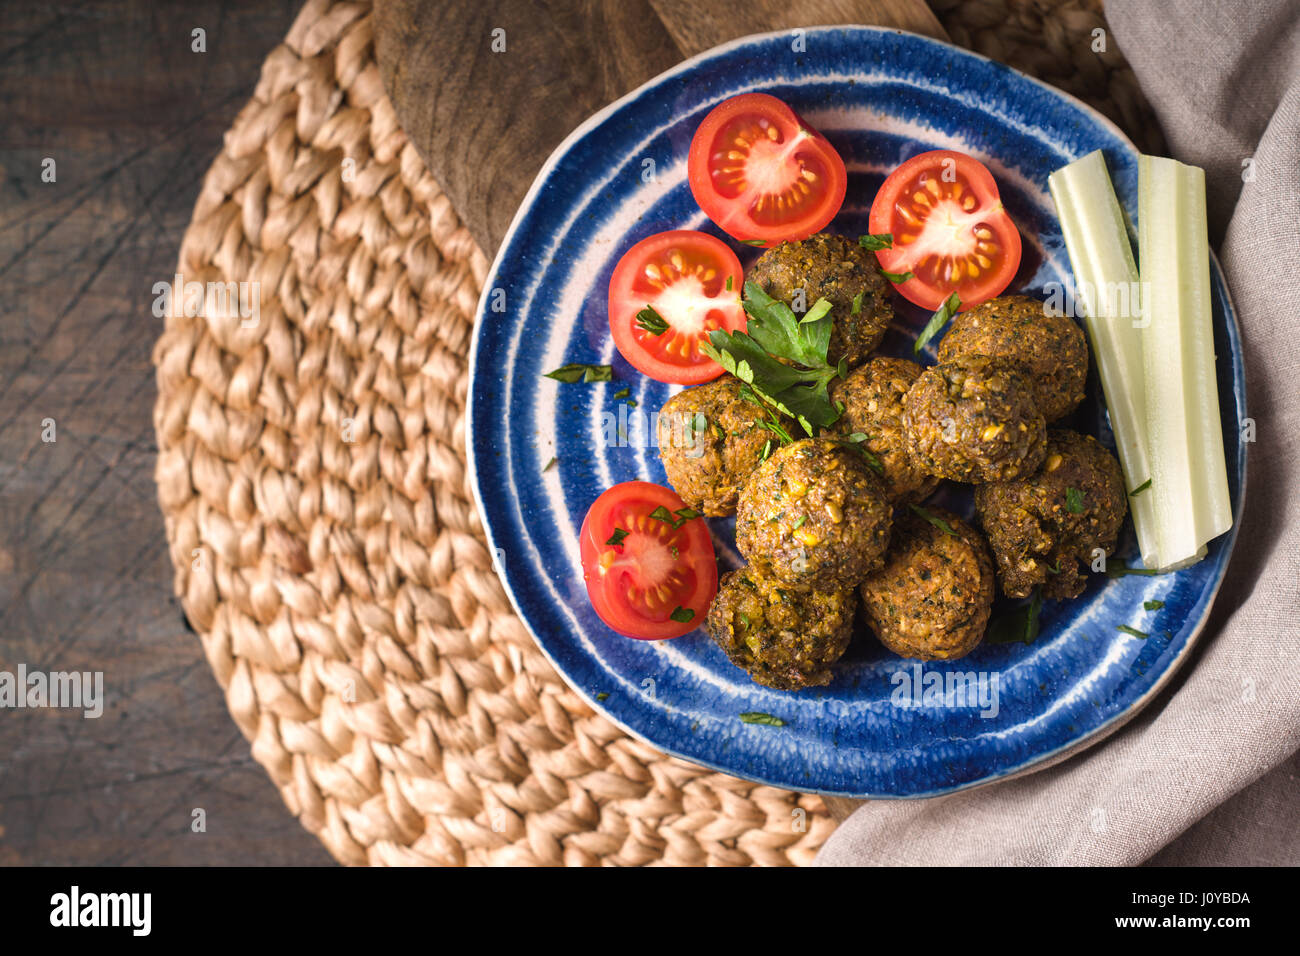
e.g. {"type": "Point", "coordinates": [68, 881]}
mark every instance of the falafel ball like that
{"type": "Point", "coordinates": [873, 406]}
{"type": "Point", "coordinates": [838, 270]}
{"type": "Point", "coordinates": [974, 419]}
{"type": "Point", "coordinates": [814, 515]}
{"type": "Point", "coordinates": [1043, 528]}
{"type": "Point", "coordinates": [710, 440]}
{"type": "Point", "coordinates": [784, 637]}
{"type": "Point", "coordinates": [1048, 348]}
{"type": "Point", "coordinates": [932, 598]}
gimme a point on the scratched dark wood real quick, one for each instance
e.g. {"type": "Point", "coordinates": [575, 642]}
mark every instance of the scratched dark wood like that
{"type": "Point", "coordinates": [485, 121]}
{"type": "Point", "coordinates": [132, 117]}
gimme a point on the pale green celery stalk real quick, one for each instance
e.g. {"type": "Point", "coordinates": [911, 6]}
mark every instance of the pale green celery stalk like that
{"type": "Point", "coordinates": [1106, 283]}
{"type": "Point", "coordinates": [1189, 479]}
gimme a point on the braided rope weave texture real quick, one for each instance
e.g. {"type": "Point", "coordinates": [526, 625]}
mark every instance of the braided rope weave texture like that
{"type": "Point", "coordinates": [342, 588]}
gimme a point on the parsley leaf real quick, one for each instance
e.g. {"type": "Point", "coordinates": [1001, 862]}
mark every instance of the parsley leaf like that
{"type": "Point", "coordinates": [617, 537]}
{"type": "Point", "coordinates": [1132, 631]}
{"type": "Point", "coordinates": [820, 308]}
{"type": "Point", "coordinates": [1140, 488]}
{"type": "Point", "coordinates": [682, 615]}
{"type": "Point", "coordinates": [1153, 605]}
{"type": "Point", "coordinates": [1074, 501]}
{"type": "Point", "coordinates": [896, 277]}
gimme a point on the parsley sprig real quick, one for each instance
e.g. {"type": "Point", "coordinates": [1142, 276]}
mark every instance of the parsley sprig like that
{"type": "Point", "coordinates": [782, 357]}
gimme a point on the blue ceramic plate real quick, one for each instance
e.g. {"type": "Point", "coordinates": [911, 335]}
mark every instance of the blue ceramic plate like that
{"type": "Point", "coordinates": [879, 730]}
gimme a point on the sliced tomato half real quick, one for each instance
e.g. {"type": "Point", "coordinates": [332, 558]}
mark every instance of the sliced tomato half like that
{"type": "Point", "coordinates": [950, 230]}
{"type": "Point", "coordinates": [646, 578]}
{"type": "Point", "coordinates": [690, 281]}
{"type": "Point", "coordinates": [763, 174]}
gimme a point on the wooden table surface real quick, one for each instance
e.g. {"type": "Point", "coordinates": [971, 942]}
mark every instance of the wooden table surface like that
{"type": "Point", "coordinates": [132, 117]}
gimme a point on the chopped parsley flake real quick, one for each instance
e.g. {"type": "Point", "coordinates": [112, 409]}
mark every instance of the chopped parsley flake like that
{"type": "Point", "coordinates": [682, 516]}
{"type": "Point", "coordinates": [1019, 625]}
{"type": "Point", "coordinates": [651, 321]}
{"type": "Point", "coordinates": [937, 321]}
{"type": "Point", "coordinates": [935, 520]}
{"type": "Point", "coordinates": [577, 371]}
{"type": "Point", "coordinates": [1118, 571]}
{"type": "Point", "coordinates": [758, 717]}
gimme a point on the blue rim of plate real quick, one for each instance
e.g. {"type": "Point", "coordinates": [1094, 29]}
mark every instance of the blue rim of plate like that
{"type": "Point", "coordinates": [837, 741]}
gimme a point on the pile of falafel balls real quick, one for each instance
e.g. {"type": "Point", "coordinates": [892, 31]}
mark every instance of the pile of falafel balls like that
{"type": "Point", "coordinates": [832, 526]}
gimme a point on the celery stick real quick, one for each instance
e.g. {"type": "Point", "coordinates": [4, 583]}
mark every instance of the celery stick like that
{"type": "Point", "coordinates": [1189, 478]}
{"type": "Point", "coordinates": [1106, 283]}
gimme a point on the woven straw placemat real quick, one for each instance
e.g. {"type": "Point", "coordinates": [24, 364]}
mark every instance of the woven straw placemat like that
{"type": "Point", "coordinates": [312, 475]}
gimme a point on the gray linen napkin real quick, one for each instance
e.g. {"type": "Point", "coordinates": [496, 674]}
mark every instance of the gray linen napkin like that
{"type": "Point", "coordinates": [1214, 757]}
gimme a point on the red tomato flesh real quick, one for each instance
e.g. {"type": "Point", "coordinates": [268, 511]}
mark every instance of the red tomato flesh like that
{"type": "Point", "coordinates": [653, 570]}
{"type": "Point", "coordinates": [763, 174]}
{"type": "Point", "coordinates": [684, 276]}
{"type": "Point", "coordinates": [950, 230]}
